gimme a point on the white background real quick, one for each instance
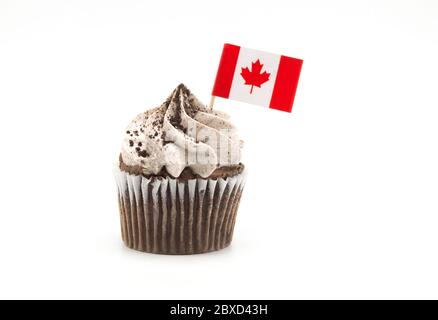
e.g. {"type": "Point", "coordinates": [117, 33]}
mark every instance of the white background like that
{"type": "Point", "coordinates": [341, 200]}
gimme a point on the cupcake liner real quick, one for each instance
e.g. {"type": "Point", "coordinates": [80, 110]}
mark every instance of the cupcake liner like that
{"type": "Point", "coordinates": [172, 216]}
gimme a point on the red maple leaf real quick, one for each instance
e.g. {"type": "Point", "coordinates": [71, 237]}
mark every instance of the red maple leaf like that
{"type": "Point", "coordinates": [255, 77]}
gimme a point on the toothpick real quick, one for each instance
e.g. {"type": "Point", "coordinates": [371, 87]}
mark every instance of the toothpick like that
{"type": "Point", "coordinates": [212, 101]}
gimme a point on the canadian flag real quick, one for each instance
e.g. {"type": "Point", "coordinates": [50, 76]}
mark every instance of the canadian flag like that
{"type": "Point", "coordinates": [257, 77]}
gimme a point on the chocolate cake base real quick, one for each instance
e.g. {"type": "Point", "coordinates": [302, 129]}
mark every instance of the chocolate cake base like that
{"type": "Point", "coordinates": [187, 173]}
{"type": "Point", "coordinates": [178, 216]}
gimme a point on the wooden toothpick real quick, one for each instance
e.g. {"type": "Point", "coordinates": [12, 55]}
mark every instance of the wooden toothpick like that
{"type": "Point", "coordinates": [212, 101]}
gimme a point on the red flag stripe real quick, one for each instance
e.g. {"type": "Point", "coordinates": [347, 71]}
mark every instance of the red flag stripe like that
{"type": "Point", "coordinates": [225, 73]}
{"type": "Point", "coordinates": [286, 83]}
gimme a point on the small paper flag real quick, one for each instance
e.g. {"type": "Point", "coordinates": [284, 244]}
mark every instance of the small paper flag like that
{"type": "Point", "coordinates": [257, 77]}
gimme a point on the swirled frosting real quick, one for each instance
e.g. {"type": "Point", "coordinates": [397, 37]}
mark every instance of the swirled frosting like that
{"type": "Point", "coordinates": [181, 133]}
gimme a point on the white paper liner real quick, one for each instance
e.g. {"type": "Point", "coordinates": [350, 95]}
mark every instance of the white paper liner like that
{"type": "Point", "coordinates": [172, 216]}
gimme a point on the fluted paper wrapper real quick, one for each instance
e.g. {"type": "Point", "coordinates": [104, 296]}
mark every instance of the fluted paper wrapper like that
{"type": "Point", "coordinates": [172, 216]}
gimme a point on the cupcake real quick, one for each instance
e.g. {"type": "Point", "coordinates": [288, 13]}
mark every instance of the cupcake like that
{"type": "Point", "coordinates": [179, 178]}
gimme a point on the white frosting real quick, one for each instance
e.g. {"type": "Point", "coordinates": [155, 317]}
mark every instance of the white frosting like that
{"type": "Point", "coordinates": [181, 133]}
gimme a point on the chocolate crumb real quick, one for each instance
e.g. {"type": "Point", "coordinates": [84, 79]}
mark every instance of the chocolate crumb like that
{"type": "Point", "coordinates": [140, 144]}
{"type": "Point", "coordinates": [131, 143]}
{"type": "Point", "coordinates": [143, 153]}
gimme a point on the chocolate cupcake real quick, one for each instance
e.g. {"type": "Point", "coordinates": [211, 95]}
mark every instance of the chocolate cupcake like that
{"type": "Point", "coordinates": [179, 178]}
